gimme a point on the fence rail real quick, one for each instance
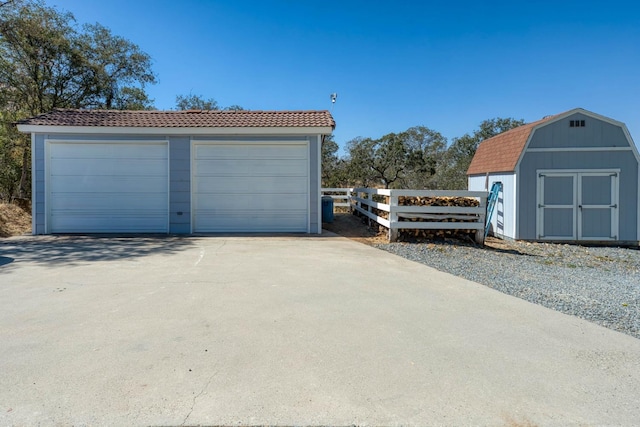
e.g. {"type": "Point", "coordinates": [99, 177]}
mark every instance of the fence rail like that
{"type": "Point", "coordinates": [466, 218]}
{"type": "Point", "coordinates": [341, 196]}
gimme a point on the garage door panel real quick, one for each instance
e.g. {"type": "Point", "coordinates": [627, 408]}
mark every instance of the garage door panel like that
{"type": "Point", "coordinates": [108, 167]}
{"type": "Point", "coordinates": [108, 151]}
{"type": "Point", "coordinates": [251, 167]}
{"type": "Point", "coordinates": [258, 202]}
{"type": "Point", "coordinates": [108, 222]}
{"type": "Point", "coordinates": [250, 187]}
{"type": "Point", "coordinates": [108, 187]}
{"type": "Point", "coordinates": [92, 184]}
{"type": "Point", "coordinates": [264, 221]}
{"type": "Point", "coordinates": [258, 152]}
{"type": "Point", "coordinates": [96, 203]}
{"type": "Point", "coordinates": [245, 184]}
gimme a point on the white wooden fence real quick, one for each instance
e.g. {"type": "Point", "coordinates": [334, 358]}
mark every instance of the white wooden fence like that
{"type": "Point", "coordinates": [341, 196]}
{"type": "Point", "coordinates": [468, 218]}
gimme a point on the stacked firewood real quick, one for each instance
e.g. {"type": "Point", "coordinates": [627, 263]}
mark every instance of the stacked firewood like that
{"type": "Point", "coordinates": [438, 201]}
{"type": "Point", "coordinates": [409, 235]}
{"type": "Point", "coordinates": [430, 234]}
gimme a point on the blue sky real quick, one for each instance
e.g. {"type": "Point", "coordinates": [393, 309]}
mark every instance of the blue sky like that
{"type": "Point", "coordinates": [442, 64]}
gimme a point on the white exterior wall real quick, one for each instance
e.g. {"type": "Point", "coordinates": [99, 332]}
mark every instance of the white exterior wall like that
{"type": "Point", "coordinates": [503, 221]}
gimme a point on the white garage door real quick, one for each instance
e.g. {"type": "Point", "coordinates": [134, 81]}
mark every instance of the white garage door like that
{"type": "Point", "coordinates": [250, 187]}
{"type": "Point", "coordinates": [107, 187]}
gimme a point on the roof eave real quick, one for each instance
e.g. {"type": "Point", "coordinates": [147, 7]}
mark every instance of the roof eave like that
{"type": "Point", "coordinates": [264, 130]}
{"type": "Point", "coordinates": [501, 172]}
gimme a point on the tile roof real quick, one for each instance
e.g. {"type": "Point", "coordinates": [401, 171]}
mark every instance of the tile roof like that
{"type": "Point", "coordinates": [501, 153]}
{"type": "Point", "coordinates": [182, 119]}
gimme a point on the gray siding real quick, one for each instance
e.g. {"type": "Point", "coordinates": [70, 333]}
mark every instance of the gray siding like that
{"type": "Point", "coordinates": [628, 185]}
{"type": "Point", "coordinates": [179, 173]}
{"type": "Point", "coordinates": [38, 176]}
{"type": "Point", "coordinates": [596, 133]}
{"type": "Point", "coordinates": [315, 190]}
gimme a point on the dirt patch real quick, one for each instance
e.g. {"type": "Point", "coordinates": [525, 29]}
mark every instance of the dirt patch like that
{"type": "Point", "coordinates": [355, 228]}
{"type": "Point", "coordinates": [14, 220]}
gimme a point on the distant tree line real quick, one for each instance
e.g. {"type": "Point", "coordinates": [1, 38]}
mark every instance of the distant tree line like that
{"type": "Point", "coordinates": [418, 158]}
{"type": "Point", "coordinates": [48, 61]}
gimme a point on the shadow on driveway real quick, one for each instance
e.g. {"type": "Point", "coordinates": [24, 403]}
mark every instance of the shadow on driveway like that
{"type": "Point", "coordinates": [75, 249]}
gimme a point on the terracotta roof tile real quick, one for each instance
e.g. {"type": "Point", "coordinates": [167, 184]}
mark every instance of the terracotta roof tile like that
{"type": "Point", "coordinates": [179, 119]}
{"type": "Point", "coordinates": [501, 153]}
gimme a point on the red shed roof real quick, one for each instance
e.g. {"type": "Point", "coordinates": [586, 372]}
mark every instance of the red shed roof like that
{"type": "Point", "coordinates": [501, 153]}
{"type": "Point", "coordinates": [181, 119]}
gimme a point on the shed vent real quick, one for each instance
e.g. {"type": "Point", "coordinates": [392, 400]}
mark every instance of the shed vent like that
{"type": "Point", "coordinates": [576, 123]}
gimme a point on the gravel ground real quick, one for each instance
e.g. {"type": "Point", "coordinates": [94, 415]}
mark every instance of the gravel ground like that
{"type": "Point", "coordinates": [599, 284]}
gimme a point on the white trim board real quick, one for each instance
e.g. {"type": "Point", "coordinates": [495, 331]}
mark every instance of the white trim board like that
{"type": "Point", "coordinates": [106, 141]}
{"type": "Point", "coordinates": [93, 130]}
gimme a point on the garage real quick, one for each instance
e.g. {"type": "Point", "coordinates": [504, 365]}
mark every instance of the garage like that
{"type": "Point", "coordinates": [177, 172]}
{"type": "Point", "coordinates": [250, 187]}
{"type": "Point", "coordinates": [107, 187]}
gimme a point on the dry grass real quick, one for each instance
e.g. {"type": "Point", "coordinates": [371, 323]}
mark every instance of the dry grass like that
{"type": "Point", "coordinates": [14, 220]}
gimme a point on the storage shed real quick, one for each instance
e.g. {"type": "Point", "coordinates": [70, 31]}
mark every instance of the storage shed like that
{"type": "Point", "coordinates": [97, 171]}
{"type": "Point", "coordinates": [571, 177]}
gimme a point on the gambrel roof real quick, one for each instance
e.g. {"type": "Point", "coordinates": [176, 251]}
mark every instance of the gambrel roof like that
{"type": "Point", "coordinates": [501, 153]}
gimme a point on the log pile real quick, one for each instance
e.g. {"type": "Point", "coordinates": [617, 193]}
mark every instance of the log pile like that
{"type": "Point", "coordinates": [417, 235]}
{"type": "Point", "coordinates": [408, 235]}
{"type": "Point", "coordinates": [438, 201]}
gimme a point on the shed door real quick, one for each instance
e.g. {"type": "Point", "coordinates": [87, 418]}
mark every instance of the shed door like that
{"type": "Point", "coordinates": [577, 205]}
{"type": "Point", "coordinates": [598, 206]}
{"type": "Point", "coordinates": [557, 204]}
{"type": "Point", "coordinates": [250, 187]}
{"type": "Point", "coordinates": [107, 187]}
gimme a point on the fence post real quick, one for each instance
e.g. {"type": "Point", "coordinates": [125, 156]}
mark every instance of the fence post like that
{"type": "Point", "coordinates": [480, 233]}
{"type": "Point", "coordinates": [349, 199]}
{"type": "Point", "coordinates": [393, 217]}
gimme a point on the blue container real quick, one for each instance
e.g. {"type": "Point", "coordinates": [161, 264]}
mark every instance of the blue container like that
{"type": "Point", "coordinates": [327, 209]}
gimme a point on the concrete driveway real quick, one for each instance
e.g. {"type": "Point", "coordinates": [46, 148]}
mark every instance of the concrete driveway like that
{"type": "Point", "coordinates": [293, 330]}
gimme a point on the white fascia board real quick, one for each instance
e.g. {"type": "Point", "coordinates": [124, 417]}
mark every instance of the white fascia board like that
{"type": "Point", "coordinates": [632, 144]}
{"type": "Point", "coordinates": [176, 130]}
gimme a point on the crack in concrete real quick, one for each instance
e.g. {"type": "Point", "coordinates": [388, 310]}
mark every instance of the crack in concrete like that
{"type": "Point", "coordinates": [193, 404]}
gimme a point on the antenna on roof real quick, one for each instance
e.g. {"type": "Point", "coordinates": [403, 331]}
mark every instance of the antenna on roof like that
{"type": "Point", "coordinates": [333, 97]}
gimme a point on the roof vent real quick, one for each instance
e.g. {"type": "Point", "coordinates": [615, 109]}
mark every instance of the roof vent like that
{"type": "Point", "coordinates": [576, 123]}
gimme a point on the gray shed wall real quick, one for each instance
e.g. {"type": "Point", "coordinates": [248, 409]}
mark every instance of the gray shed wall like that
{"type": "Point", "coordinates": [596, 133]}
{"type": "Point", "coordinates": [179, 173]}
{"type": "Point", "coordinates": [38, 188]}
